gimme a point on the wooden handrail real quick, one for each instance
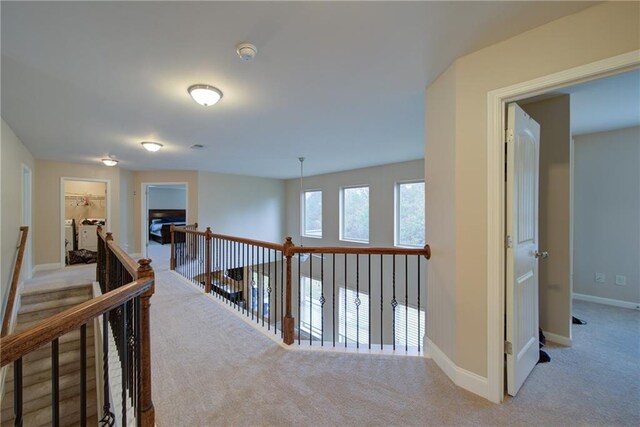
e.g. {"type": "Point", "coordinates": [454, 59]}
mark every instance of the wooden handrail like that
{"type": "Point", "coordinates": [14, 281]}
{"type": "Point", "coordinates": [187, 231]}
{"type": "Point", "coordinates": [129, 263]}
{"type": "Point", "coordinates": [45, 331]}
{"type": "Point", "coordinates": [260, 243]}
{"type": "Point", "coordinates": [426, 251]}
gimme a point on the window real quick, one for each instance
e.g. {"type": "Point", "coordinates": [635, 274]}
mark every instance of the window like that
{"type": "Point", "coordinates": [312, 214]}
{"type": "Point", "coordinates": [356, 329]}
{"type": "Point", "coordinates": [410, 214]}
{"type": "Point", "coordinates": [354, 220]}
{"type": "Point", "coordinates": [310, 307]}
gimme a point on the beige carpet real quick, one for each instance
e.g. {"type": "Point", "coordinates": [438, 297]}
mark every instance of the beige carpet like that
{"type": "Point", "coordinates": [210, 368]}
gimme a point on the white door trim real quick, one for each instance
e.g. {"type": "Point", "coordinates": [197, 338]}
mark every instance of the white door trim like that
{"type": "Point", "coordinates": [107, 225]}
{"type": "Point", "coordinates": [496, 102]}
{"type": "Point", "coordinates": [144, 235]}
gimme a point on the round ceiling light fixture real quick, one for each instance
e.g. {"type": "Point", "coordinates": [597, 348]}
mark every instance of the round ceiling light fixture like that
{"type": "Point", "coordinates": [246, 51]}
{"type": "Point", "coordinates": [151, 146]}
{"type": "Point", "coordinates": [109, 162]}
{"type": "Point", "coordinates": [205, 95]}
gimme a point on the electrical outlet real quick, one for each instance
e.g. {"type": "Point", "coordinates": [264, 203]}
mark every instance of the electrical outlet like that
{"type": "Point", "coordinates": [600, 278]}
{"type": "Point", "coordinates": [621, 280]}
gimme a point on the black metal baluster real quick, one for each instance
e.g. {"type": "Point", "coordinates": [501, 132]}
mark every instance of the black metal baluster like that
{"type": "Point", "coordinates": [310, 299]}
{"type": "Point", "coordinates": [83, 375]}
{"type": "Point", "coordinates": [253, 282]}
{"type": "Point", "coordinates": [299, 292]}
{"type": "Point", "coordinates": [333, 299]}
{"type": "Point", "coordinates": [239, 267]}
{"type": "Point", "coordinates": [125, 363]}
{"type": "Point", "coordinates": [55, 383]}
{"type": "Point", "coordinates": [262, 290]}
{"type": "Point", "coordinates": [381, 301]}
{"type": "Point", "coordinates": [107, 417]}
{"type": "Point", "coordinates": [17, 392]}
{"type": "Point", "coordinates": [138, 341]}
{"type": "Point", "coordinates": [269, 288]}
{"type": "Point", "coordinates": [406, 303]}
{"type": "Point", "coordinates": [357, 301]}
{"type": "Point", "coordinates": [282, 294]}
{"type": "Point", "coordinates": [346, 331]}
{"type": "Point", "coordinates": [419, 338]}
{"type": "Point", "coordinates": [370, 300]}
{"type": "Point", "coordinates": [322, 300]}
{"type": "Point", "coordinates": [394, 303]}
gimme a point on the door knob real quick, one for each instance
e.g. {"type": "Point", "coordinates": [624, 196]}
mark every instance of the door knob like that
{"type": "Point", "coordinates": [542, 255]}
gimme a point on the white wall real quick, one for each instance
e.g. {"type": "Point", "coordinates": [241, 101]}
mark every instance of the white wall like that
{"type": "Point", "coordinates": [607, 213]}
{"type": "Point", "coordinates": [599, 32]}
{"type": "Point", "coordinates": [13, 154]}
{"type": "Point", "coordinates": [381, 181]}
{"type": "Point", "coordinates": [241, 206]}
{"type": "Point", "coordinates": [167, 198]}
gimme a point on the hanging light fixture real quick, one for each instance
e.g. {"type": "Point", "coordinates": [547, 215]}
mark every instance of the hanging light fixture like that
{"type": "Point", "coordinates": [109, 162]}
{"type": "Point", "coordinates": [205, 95]}
{"type": "Point", "coordinates": [151, 146]}
{"type": "Point", "coordinates": [303, 256]}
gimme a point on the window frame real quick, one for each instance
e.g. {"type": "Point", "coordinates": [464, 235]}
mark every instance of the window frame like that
{"type": "Point", "coordinates": [342, 238]}
{"type": "Point", "coordinates": [396, 213]}
{"type": "Point", "coordinates": [303, 209]}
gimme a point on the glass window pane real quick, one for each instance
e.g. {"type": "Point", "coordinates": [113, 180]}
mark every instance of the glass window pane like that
{"type": "Point", "coordinates": [313, 213]}
{"type": "Point", "coordinates": [410, 214]}
{"type": "Point", "coordinates": [355, 214]}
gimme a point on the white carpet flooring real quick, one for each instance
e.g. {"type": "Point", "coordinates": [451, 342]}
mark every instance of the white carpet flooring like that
{"type": "Point", "coordinates": [210, 369]}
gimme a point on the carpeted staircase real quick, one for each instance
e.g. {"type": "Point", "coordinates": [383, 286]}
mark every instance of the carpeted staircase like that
{"type": "Point", "coordinates": [35, 306]}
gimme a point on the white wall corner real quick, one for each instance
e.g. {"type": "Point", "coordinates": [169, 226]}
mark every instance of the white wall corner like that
{"type": "Point", "coordinates": [461, 377]}
{"type": "Point", "coordinates": [558, 339]}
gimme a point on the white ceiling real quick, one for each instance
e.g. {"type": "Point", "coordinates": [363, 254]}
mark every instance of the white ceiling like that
{"type": "Point", "coordinates": [340, 83]}
{"type": "Point", "coordinates": [605, 104]}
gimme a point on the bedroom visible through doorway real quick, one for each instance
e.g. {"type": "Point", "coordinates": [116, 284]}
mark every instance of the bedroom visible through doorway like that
{"type": "Point", "coordinates": [164, 204]}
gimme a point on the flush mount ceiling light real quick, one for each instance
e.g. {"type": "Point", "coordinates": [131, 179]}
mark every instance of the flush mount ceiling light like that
{"type": "Point", "coordinates": [109, 162]}
{"type": "Point", "coordinates": [205, 95]}
{"type": "Point", "coordinates": [152, 146]}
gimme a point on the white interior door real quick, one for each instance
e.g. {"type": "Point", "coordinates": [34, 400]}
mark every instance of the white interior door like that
{"type": "Point", "coordinates": [523, 149]}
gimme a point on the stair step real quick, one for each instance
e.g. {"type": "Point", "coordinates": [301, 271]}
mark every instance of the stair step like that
{"type": "Point", "coordinates": [32, 296]}
{"type": "Point", "coordinates": [43, 388]}
{"type": "Point", "coordinates": [69, 413]}
{"type": "Point", "coordinates": [42, 366]}
{"type": "Point", "coordinates": [36, 404]}
{"type": "Point", "coordinates": [26, 320]}
{"type": "Point", "coordinates": [52, 303]}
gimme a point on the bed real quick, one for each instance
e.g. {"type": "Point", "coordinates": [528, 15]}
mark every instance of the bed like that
{"type": "Point", "coordinates": [160, 221]}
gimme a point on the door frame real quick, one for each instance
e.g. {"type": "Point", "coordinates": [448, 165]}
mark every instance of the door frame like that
{"type": "Point", "coordinates": [107, 224]}
{"type": "Point", "coordinates": [27, 217]}
{"type": "Point", "coordinates": [496, 194]}
{"type": "Point", "coordinates": [144, 226]}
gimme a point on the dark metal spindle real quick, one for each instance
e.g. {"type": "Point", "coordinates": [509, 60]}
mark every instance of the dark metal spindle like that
{"type": "Point", "coordinates": [381, 301]}
{"type": "Point", "coordinates": [333, 299]}
{"type": "Point", "coordinates": [83, 375]}
{"type": "Point", "coordinates": [17, 392]}
{"type": "Point", "coordinates": [406, 303]}
{"type": "Point", "coordinates": [310, 298]}
{"type": "Point", "coordinates": [370, 300]}
{"type": "Point", "coordinates": [357, 301]}
{"type": "Point", "coordinates": [419, 338]}
{"type": "Point", "coordinates": [299, 292]}
{"type": "Point", "coordinates": [346, 331]}
{"type": "Point", "coordinates": [125, 363]}
{"type": "Point", "coordinates": [262, 290]}
{"type": "Point", "coordinates": [394, 302]}
{"type": "Point", "coordinates": [269, 288]}
{"type": "Point", "coordinates": [55, 383]}
{"type": "Point", "coordinates": [322, 300]}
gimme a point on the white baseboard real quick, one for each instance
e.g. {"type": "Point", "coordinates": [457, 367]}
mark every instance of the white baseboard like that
{"type": "Point", "coordinates": [461, 377]}
{"type": "Point", "coordinates": [558, 339]}
{"type": "Point", "coordinates": [606, 301]}
{"type": "Point", "coordinates": [44, 267]}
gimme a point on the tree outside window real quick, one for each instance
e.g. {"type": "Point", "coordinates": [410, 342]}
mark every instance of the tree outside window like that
{"type": "Point", "coordinates": [312, 214]}
{"type": "Point", "coordinates": [410, 214]}
{"type": "Point", "coordinates": [355, 214]}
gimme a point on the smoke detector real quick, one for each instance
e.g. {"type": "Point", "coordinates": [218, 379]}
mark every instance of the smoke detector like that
{"type": "Point", "coordinates": [246, 51]}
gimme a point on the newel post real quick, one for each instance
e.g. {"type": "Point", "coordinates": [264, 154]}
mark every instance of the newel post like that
{"type": "Point", "coordinates": [288, 327]}
{"type": "Point", "coordinates": [172, 260]}
{"type": "Point", "coordinates": [147, 411]}
{"type": "Point", "coordinates": [107, 263]}
{"type": "Point", "coordinates": [207, 260]}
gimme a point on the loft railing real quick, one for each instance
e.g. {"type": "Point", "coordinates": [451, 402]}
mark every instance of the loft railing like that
{"type": "Point", "coordinates": [24, 232]}
{"type": "Point", "coordinates": [125, 307]}
{"type": "Point", "coordinates": [370, 298]}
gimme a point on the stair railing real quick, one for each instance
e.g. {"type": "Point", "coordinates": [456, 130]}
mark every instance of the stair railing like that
{"type": "Point", "coordinates": [125, 307]}
{"type": "Point", "coordinates": [24, 231]}
{"type": "Point", "coordinates": [353, 297]}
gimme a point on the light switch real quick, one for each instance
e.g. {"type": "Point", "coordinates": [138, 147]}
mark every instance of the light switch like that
{"type": "Point", "coordinates": [600, 277]}
{"type": "Point", "coordinates": [621, 280]}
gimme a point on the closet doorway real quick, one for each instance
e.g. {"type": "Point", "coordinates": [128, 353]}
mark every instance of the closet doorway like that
{"type": "Point", "coordinates": [85, 205]}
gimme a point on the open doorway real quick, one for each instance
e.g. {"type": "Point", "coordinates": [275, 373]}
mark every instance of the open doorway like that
{"type": "Point", "coordinates": [587, 234]}
{"type": "Point", "coordinates": [163, 205]}
{"type": "Point", "coordinates": [85, 206]}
